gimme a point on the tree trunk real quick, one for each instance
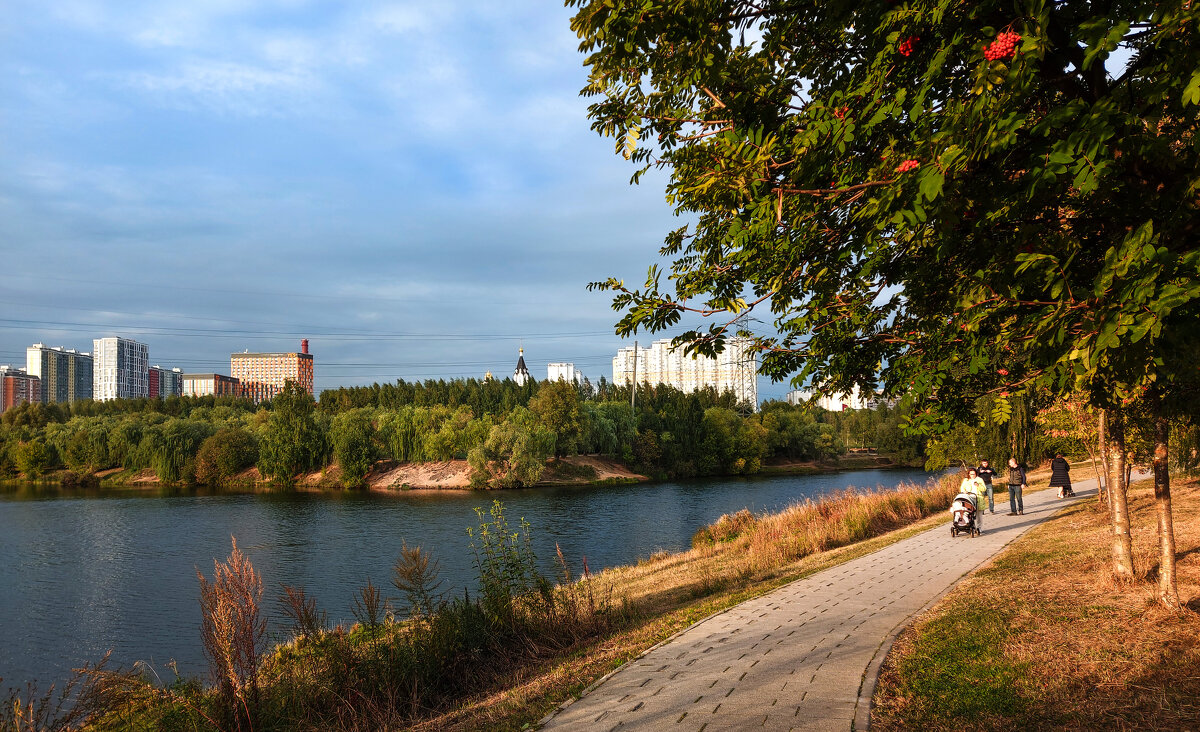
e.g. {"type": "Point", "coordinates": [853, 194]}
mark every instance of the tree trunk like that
{"type": "Point", "coordinates": [1102, 484]}
{"type": "Point", "coordinates": [1122, 549]}
{"type": "Point", "coordinates": [1168, 591]}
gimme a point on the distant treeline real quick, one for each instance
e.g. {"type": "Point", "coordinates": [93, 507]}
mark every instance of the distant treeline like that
{"type": "Point", "coordinates": [506, 431]}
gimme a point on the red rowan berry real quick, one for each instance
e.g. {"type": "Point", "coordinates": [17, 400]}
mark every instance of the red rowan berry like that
{"type": "Point", "coordinates": [1004, 46]}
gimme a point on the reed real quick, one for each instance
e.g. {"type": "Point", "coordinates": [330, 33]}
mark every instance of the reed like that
{"type": "Point", "coordinates": [234, 633]}
{"type": "Point", "coordinates": [774, 540]}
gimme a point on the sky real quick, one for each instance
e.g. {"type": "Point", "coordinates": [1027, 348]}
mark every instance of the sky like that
{"type": "Point", "coordinates": [414, 187]}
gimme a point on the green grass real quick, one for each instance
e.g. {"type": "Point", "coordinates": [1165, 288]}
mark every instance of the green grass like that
{"type": "Point", "coordinates": [958, 672]}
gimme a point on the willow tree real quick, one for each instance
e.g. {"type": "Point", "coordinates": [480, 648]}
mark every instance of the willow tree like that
{"type": "Point", "coordinates": [944, 199]}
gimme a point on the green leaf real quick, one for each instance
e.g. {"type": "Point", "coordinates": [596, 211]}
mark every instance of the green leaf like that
{"type": "Point", "coordinates": [932, 181]}
{"type": "Point", "coordinates": [1191, 94]}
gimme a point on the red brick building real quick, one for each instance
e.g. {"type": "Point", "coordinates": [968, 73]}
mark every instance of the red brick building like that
{"type": "Point", "coordinates": [263, 375]}
{"type": "Point", "coordinates": [18, 387]}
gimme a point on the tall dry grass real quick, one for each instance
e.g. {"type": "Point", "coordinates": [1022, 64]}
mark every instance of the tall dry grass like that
{"type": "Point", "coordinates": [769, 541]}
{"type": "Point", "coordinates": [234, 633]}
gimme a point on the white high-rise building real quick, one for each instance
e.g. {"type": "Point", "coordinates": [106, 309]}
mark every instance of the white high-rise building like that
{"type": "Point", "coordinates": [564, 371]}
{"type": "Point", "coordinates": [121, 369]}
{"type": "Point", "coordinates": [735, 369]}
{"type": "Point", "coordinates": [840, 402]}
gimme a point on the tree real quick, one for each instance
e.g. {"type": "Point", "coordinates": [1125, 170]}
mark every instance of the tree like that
{"type": "Point", "coordinates": [557, 405]}
{"type": "Point", "coordinates": [952, 199]}
{"type": "Point", "coordinates": [354, 445]}
{"type": "Point", "coordinates": [294, 440]}
{"type": "Point", "coordinates": [33, 457]}
{"type": "Point", "coordinates": [514, 454]}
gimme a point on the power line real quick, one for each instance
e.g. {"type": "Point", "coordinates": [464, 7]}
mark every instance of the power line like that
{"type": "Point", "coordinates": [345, 335]}
{"type": "Point", "coordinates": [109, 283]}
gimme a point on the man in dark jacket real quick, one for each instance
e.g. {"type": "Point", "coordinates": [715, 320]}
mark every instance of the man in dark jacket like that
{"type": "Point", "coordinates": [1060, 476]}
{"type": "Point", "coordinates": [1016, 488]}
{"type": "Point", "coordinates": [986, 472]}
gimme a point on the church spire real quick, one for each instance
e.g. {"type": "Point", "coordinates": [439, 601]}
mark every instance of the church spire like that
{"type": "Point", "coordinates": [521, 373]}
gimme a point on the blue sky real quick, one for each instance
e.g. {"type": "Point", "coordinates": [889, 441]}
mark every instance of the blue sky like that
{"type": "Point", "coordinates": [414, 186]}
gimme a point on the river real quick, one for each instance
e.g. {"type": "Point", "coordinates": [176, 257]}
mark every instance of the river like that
{"type": "Point", "coordinates": [82, 572]}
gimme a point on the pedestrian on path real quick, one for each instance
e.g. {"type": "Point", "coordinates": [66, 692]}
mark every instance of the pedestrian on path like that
{"type": "Point", "coordinates": [974, 484]}
{"type": "Point", "coordinates": [986, 472]}
{"type": "Point", "coordinates": [1016, 488]}
{"type": "Point", "coordinates": [1060, 476]}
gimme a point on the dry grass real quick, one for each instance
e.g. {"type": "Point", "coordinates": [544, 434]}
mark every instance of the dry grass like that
{"type": "Point", "coordinates": [673, 591]}
{"type": "Point", "coordinates": [1044, 638]}
{"type": "Point", "coordinates": [234, 633]}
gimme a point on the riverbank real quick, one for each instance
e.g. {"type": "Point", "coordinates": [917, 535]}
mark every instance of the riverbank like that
{"type": "Point", "coordinates": [450, 475]}
{"type": "Point", "coordinates": [1043, 638]}
{"type": "Point", "coordinates": [614, 616]}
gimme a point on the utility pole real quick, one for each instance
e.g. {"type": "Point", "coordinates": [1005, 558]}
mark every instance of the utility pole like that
{"type": "Point", "coordinates": [633, 392]}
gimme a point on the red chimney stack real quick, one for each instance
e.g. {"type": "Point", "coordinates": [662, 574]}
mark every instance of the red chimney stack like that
{"type": "Point", "coordinates": [303, 345]}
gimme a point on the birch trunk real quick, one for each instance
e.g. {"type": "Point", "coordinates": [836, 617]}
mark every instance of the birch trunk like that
{"type": "Point", "coordinates": [1108, 473]}
{"type": "Point", "coordinates": [1122, 549]}
{"type": "Point", "coordinates": [1168, 591]}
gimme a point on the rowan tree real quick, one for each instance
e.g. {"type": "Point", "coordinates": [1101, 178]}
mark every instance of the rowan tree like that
{"type": "Point", "coordinates": [944, 199]}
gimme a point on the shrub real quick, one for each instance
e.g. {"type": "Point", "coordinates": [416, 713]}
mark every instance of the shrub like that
{"type": "Point", "coordinates": [224, 455]}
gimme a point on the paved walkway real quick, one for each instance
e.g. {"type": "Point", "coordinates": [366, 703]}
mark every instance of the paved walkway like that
{"type": "Point", "coordinates": [805, 656]}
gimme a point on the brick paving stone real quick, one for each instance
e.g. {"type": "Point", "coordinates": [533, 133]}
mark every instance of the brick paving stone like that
{"type": "Point", "coordinates": [804, 656]}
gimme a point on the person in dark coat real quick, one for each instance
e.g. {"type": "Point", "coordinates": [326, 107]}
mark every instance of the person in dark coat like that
{"type": "Point", "coordinates": [1060, 476]}
{"type": "Point", "coordinates": [1016, 487]}
{"type": "Point", "coordinates": [986, 472]}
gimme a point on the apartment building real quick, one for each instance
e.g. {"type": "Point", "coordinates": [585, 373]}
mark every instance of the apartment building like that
{"type": "Point", "coordinates": [217, 385]}
{"type": "Point", "coordinates": [18, 387]}
{"type": "Point", "coordinates": [64, 374]}
{"type": "Point", "coordinates": [121, 369]}
{"type": "Point", "coordinates": [840, 402]}
{"type": "Point", "coordinates": [263, 375]}
{"type": "Point", "coordinates": [735, 369]}
{"type": "Point", "coordinates": [165, 382]}
{"type": "Point", "coordinates": [564, 371]}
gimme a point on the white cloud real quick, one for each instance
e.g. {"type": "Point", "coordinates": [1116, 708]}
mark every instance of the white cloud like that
{"type": "Point", "coordinates": [228, 87]}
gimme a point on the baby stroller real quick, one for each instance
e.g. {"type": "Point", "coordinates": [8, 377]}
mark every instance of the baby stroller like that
{"type": "Point", "coordinates": [962, 515]}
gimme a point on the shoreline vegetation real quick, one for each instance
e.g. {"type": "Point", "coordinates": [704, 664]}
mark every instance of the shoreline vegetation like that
{"type": "Point", "coordinates": [435, 435]}
{"type": "Point", "coordinates": [500, 659]}
{"type": "Point", "coordinates": [450, 475]}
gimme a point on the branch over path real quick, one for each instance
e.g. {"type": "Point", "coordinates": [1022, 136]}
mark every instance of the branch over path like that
{"type": "Point", "coordinates": [804, 656]}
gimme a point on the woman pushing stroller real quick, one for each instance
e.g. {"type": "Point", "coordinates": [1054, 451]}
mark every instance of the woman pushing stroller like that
{"type": "Point", "coordinates": [973, 484]}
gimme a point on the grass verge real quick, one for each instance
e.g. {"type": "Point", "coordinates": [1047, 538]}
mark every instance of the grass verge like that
{"type": "Point", "coordinates": [1044, 638]}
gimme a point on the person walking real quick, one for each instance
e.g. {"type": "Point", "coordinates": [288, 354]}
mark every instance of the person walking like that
{"type": "Point", "coordinates": [986, 472]}
{"type": "Point", "coordinates": [1016, 488]}
{"type": "Point", "coordinates": [974, 484]}
{"type": "Point", "coordinates": [1060, 476]}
